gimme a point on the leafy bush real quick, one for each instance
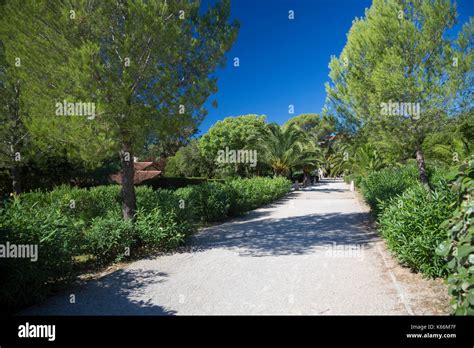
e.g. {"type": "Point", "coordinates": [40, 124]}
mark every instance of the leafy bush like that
{"type": "Point", "coordinates": [109, 237]}
{"type": "Point", "coordinates": [58, 239]}
{"type": "Point", "coordinates": [459, 247]}
{"type": "Point", "coordinates": [252, 193]}
{"type": "Point", "coordinates": [161, 228]}
{"type": "Point", "coordinates": [84, 204]}
{"type": "Point", "coordinates": [410, 223]}
{"type": "Point", "coordinates": [206, 202]}
{"type": "Point", "coordinates": [380, 186]}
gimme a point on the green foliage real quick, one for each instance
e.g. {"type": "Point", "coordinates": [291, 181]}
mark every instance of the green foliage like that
{"type": "Point", "coordinates": [357, 179]}
{"type": "Point", "coordinates": [458, 249]}
{"type": "Point", "coordinates": [285, 148]}
{"type": "Point", "coordinates": [206, 202]}
{"type": "Point", "coordinates": [187, 162]}
{"type": "Point", "coordinates": [160, 228]}
{"type": "Point", "coordinates": [309, 123]}
{"type": "Point", "coordinates": [58, 238]}
{"type": "Point", "coordinates": [146, 73]}
{"type": "Point", "coordinates": [252, 193]}
{"type": "Point", "coordinates": [411, 225]}
{"type": "Point", "coordinates": [108, 238]}
{"type": "Point", "coordinates": [234, 133]}
{"type": "Point", "coordinates": [386, 60]}
{"type": "Point", "coordinates": [217, 201]}
{"type": "Point", "coordinates": [380, 186]}
{"type": "Point", "coordinates": [81, 204]}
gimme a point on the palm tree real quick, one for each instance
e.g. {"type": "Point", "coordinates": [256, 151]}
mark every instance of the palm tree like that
{"type": "Point", "coordinates": [362, 160]}
{"type": "Point", "coordinates": [285, 149]}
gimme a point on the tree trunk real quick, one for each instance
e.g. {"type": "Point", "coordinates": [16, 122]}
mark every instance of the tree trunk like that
{"type": "Point", "coordinates": [16, 183]}
{"type": "Point", "coordinates": [420, 161]}
{"type": "Point", "coordinates": [129, 203]}
{"type": "Point", "coordinates": [306, 179]}
{"type": "Point", "coordinates": [16, 138]}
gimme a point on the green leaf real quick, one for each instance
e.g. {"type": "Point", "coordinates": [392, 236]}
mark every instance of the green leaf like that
{"type": "Point", "coordinates": [465, 250]}
{"type": "Point", "coordinates": [444, 248]}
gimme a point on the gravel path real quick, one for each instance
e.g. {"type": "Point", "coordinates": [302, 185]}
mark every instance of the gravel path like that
{"type": "Point", "coordinates": [312, 252]}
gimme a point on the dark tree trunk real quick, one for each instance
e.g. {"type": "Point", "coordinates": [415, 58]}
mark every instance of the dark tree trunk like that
{"type": "Point", "coordinates": [306, 179]}
{"type": "Point", "coordinates": [420, 161]}
{"type": "Point", "coordinates": [129, 203]}
{"type": "Point", "coordinates": [16, 183]}
{"type": "Point", "coordinates": [16, 135]}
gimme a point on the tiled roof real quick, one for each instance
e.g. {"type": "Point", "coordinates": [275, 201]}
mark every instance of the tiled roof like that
{"type": "Point", "coordinates": [142, 165]}
{"type": "Point", "coordinates": [141, 173]}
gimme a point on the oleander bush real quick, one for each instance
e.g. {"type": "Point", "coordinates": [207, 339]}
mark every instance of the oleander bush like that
{"type": "Point", "coordinates": [160, 228]}
{"type": "Point", "coordinates": [380, 186]}
{"type": "Point", "coordinates": [411, 225]}
{"type": "Point", "coordinates": [206, 202]}
{"type": "Point", "coordinates": [255, 192]}
{"type": "Point", "coordinates": [109, 238]}
{"type": "Point", "coordinates": [58, 239]}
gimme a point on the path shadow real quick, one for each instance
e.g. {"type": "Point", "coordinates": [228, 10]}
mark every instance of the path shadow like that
{"type": "Point", "coordinates": [287, 236]}
{"type": "Point", "coordinates": [113, 294]}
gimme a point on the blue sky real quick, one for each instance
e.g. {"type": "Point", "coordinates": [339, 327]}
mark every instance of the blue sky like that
{"type": "Point", "coordinates": [284, 61]}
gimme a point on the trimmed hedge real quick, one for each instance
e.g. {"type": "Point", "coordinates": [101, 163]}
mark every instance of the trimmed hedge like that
{"type": "Point", "coordinates": [70, 222]}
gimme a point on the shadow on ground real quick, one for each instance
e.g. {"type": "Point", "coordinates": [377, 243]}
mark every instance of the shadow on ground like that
{"type": "Point", "coordinates": [111, 295]}
{"type": "Point", "coordinates": [287, 236]}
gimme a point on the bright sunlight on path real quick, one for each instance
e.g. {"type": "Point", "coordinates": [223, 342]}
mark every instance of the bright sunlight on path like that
{"type": "Point", "coordinates": [312, 252]}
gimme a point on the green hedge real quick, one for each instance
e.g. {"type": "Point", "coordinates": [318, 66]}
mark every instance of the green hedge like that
{"type": "Point", "coordinates": [58, 237]}
{"type": "Point", "coordinates": [216, 201]}
{"type": "Point", "coordinates": [207, 202]}
{"type": "Point", "coordinates": [255, 192]}
{"type": "Point", "coordinates": [68, 223]}
{"type": "Point", "coordinates": [380, 186]}
{"type": "Point", "coordinates": [411, 225]}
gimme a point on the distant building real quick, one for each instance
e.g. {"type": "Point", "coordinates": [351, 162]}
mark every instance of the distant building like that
{"type": "Point", "coordinates": [143, 171]}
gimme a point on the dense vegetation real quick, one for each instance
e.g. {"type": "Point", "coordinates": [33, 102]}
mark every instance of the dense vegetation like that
{"type": "Point", "coordinates": [400, 52]}
{"type": "Point", "coordinates": [458, 249]}
{"type": "Point", "coordinates": [71, 224]}
{"type": "Point", "coordinates": [429, 230]}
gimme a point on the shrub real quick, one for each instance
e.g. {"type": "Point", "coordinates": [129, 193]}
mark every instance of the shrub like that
{"type": "Point", "coordinates": [109, 237]}
{"type": "Point", "coordinates": [161, 228]}
{"type": "Point", "coordinates": [206, 202]}
{"type": "Point", "coordinates": [84, 204]}
{"type": "Point", "coordinates": [252, 193]}
{"type": "Point", "coordinates": [58, 239]}
{"type": "Point", "coordinates": [380, 186]}
{"type": "Point", "coordinates": [410, 223]}
{"type": "Point", "coordinates": [459, 247]}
